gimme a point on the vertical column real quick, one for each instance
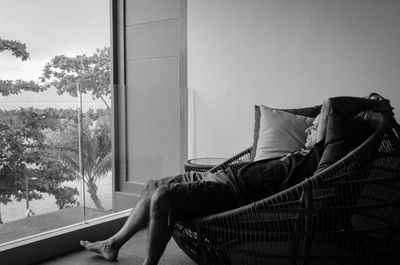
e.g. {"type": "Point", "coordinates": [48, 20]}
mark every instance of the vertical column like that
{"type": "Point", "coordinates": [155, 93]}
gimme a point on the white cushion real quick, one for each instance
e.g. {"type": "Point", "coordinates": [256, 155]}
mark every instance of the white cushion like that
{"type": "Point", "coordinates": [279, 133]}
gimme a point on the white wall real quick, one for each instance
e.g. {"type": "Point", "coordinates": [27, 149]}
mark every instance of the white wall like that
{"type": "Point", "coordinates": [283, 53]}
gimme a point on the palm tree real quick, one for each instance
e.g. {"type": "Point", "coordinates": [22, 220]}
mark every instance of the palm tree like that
{"type": "Point", "coordinates": [96, 150]}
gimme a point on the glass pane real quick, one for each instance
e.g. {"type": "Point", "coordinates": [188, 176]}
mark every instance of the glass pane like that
{"type": "Point", "coordinates": [44, 60]}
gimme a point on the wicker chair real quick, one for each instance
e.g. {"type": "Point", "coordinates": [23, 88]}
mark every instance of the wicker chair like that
{"type": "Point", "coordinates": [349, 213]}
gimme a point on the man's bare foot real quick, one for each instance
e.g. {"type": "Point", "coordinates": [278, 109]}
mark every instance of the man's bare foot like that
{"type": "Point", "coordinates": [106, 248]}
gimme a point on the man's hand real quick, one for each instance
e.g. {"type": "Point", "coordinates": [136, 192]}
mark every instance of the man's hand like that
{"type": "Point", "coordinates": [353, 105]}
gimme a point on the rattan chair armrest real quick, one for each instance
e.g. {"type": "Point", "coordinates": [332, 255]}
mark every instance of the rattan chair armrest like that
{"type": "Point", "coordinates": [241, 157]}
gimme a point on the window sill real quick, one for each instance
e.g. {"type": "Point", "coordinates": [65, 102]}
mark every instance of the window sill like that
{"type": "Point", "coordinates": [60, 241]}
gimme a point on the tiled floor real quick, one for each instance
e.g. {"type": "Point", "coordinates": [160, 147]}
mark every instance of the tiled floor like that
{"type": "Point", "coordinates": [131, 253]}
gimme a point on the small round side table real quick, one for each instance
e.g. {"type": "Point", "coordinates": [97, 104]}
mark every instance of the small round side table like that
{"type": "Point", "coordinates": [202, 164]}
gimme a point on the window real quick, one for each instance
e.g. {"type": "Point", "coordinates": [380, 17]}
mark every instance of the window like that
{"type": "Point", "coordinates": [134, 24]}
{"type": "Point", "coordinates": [55, 67]}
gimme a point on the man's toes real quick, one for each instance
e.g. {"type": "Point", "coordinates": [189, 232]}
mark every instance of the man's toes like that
{"type": "Point", "coordinates": [84, 243]}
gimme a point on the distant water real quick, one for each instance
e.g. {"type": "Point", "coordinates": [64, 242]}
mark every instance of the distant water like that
{"type": "Point", "coordinates": [48, 99]}
{"type": "Point", "coordinates": [59, 105]}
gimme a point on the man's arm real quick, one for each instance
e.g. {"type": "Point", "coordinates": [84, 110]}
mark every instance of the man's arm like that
{"type": "Point", "coordinates": [347, 106]}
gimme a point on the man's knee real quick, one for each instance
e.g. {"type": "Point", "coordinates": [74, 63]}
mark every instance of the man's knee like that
{"type": "Point", "coordinates": [149, 188]}
{"type": "Point", "coordinates": [160, 200]}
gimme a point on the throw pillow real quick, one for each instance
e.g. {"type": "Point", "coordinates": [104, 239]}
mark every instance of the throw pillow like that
{"type": "Point", "coordinates": [277, 132]}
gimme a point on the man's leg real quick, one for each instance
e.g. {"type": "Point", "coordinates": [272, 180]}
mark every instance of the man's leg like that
{"type": "Point", "coordinates": [137, 220]}
{"type": "Point", "coordinates": [160, 230]}
{"type": "Point", "coordinates": [189, 199]}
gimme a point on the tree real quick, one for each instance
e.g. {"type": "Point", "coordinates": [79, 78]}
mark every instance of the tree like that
{"type": "Point", "coordinates": [93, 75]}
{"type": "Point", "coordinates": [96, 149]}
{"type": "Point", "coordinates": [91, 72]}
{"type": "Point", "coordinates": [24, 154]}
{"type": "Point", "coordinates": [12, 164]}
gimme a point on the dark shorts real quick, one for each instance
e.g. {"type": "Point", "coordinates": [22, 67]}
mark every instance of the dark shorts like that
{"type": "Point", "coordinates": [193, 194]}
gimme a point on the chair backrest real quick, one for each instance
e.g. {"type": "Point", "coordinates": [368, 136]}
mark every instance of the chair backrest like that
{"type": "Point", "coordinates": [377, 209]}
{"type": "Point", "coordinates": [358, 198]}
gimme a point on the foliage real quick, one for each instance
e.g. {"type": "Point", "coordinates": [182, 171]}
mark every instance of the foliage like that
{"type": "Point", "coordinates": [23, 153]}
{"type": "Point", "coordinates": [17, 48]}
{"type": "Point", "coordinates": [41, 145]}
{"type": "Point", "coordinates": [9, 87]}
{"type": "Point", "coordinates": [92, 72]}
{"type": "Point", "coordinates": [96, 149]}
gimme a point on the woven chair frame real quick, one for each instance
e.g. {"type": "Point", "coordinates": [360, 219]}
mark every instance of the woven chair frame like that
{"type": "Point", "coordinates": [348, 213]}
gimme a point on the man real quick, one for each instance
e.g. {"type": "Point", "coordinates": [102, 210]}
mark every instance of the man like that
{"type": "Point", "coordinates": [198, 194]}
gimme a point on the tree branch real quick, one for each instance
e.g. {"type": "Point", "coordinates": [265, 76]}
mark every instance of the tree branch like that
{"type": "Point", "coordinates": [17, 48]}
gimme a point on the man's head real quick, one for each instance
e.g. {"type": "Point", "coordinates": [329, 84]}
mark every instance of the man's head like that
{"type": "Point", "coordinates": [311, 133]}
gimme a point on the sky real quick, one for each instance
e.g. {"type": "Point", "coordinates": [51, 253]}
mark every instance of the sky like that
{"type": "Point", "coordinates": [50, 28]}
